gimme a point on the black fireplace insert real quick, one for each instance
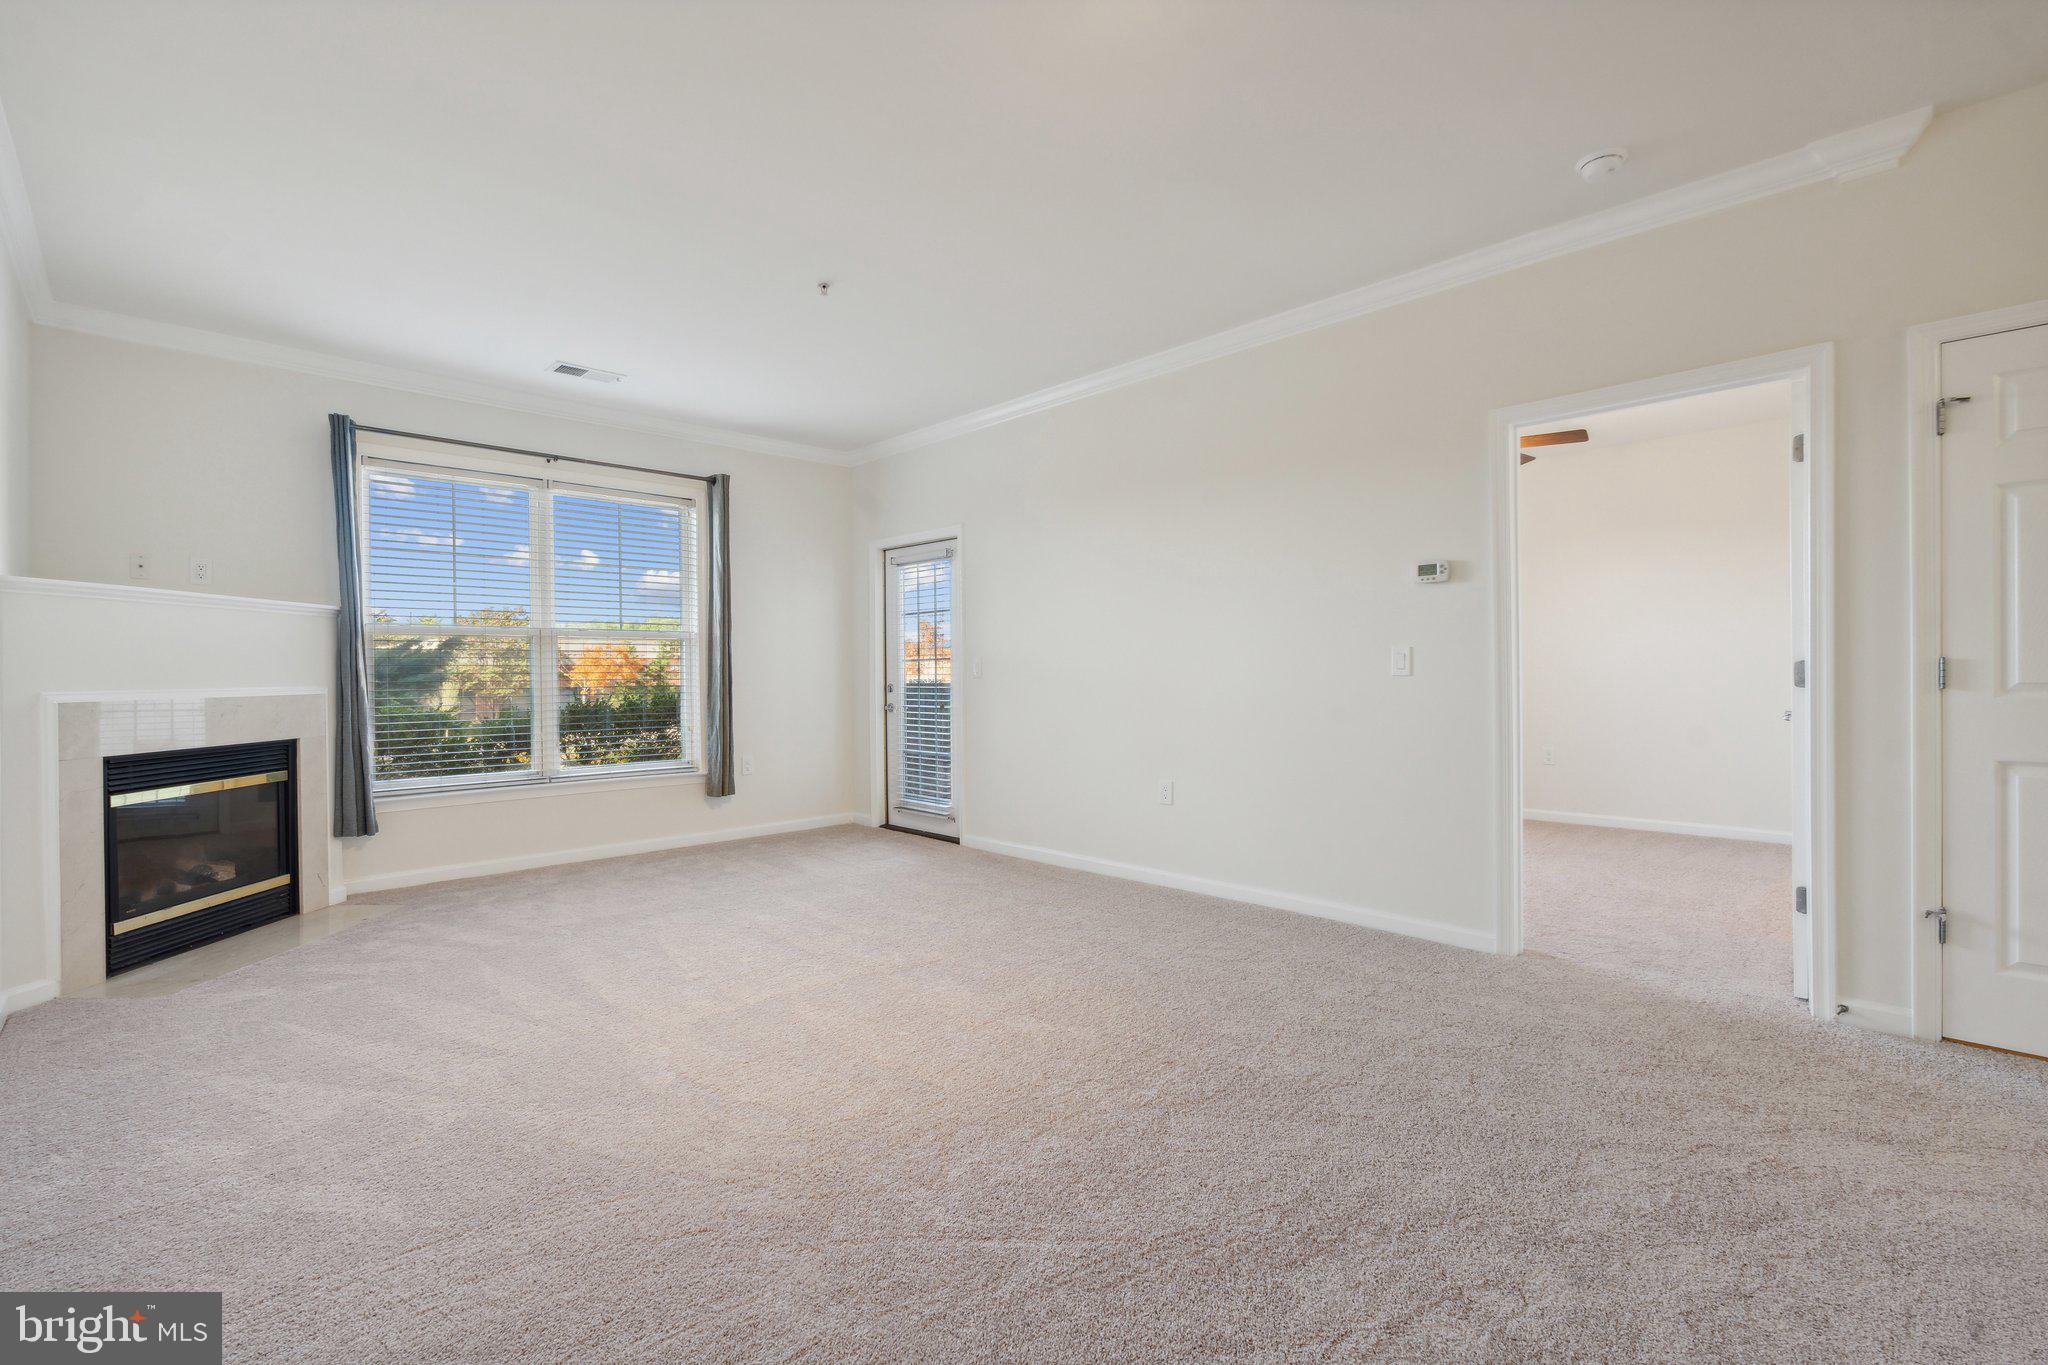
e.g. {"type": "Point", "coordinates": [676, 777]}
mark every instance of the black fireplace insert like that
{"type": "Point", "coordinates": [201, 843]}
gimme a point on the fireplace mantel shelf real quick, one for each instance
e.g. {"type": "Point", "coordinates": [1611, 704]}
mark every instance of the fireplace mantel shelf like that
{"type": "Point", "coordinates": [168, 597]}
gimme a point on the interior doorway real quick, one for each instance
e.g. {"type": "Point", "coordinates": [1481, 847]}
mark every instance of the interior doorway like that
{"type": "Point", "coordinates": [920, 619]}
{"type": "Point", "coordinates": [1663, 681]}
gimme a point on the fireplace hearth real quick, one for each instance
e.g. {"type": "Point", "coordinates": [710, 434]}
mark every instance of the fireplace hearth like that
{"type": "Point", "coordinates": [200, 844]}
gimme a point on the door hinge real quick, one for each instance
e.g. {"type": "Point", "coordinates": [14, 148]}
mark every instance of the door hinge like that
{"type": "Point", "coordinates": [1799, 448]}
{"type": "Point", "coordinates": [1941, 413]}
{"type": "Point", "coordinates": [1940, 918]}
{"type": "Point", "coordinates": [1798, 900]}
{"type": "Point", "coordinates": [1799, 673]}
{"type": "Point", "coordinates": [1941, 674]}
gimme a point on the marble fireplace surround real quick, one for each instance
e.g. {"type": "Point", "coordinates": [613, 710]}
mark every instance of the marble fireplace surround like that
{"type": "Point", "coordinates": [90, 727]}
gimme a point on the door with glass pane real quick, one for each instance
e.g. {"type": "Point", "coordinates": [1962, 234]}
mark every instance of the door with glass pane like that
{"type": "Point", "coordinates": [917, 693]}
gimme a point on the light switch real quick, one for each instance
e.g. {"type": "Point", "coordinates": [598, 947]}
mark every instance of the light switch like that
{"type": "Point", "coordinates": [1404, 660]}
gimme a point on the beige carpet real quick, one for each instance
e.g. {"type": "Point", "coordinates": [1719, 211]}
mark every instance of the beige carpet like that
{"type": "Point", "coordinates": [1710, 916]}
{"type": "Point", "coordinates": [853, 1095]}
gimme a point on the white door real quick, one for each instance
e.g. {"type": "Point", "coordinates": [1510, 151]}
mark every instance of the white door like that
{"type": "Point", "coordinates": [917, 698]}
{"type": "Point", "coordinates": [1994, 710]}
{"type": "Point", "coordinates": [1799, 699]}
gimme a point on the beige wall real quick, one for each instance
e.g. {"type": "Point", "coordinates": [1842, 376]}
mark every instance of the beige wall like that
{"type": "Point", "coordinates": [1200, 577]}
{"type": "Point", "coordinates": [14, 461]}
{"type": "Point", "coordinates": [1656, 582]}
{"type": "Point", "coordinates": [176, 456]}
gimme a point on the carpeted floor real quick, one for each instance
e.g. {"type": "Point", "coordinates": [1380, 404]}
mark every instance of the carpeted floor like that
{"type": "Point", "coordinates": [854, 1095]}
{"type": "Point", "coordinates": [1704, 916]}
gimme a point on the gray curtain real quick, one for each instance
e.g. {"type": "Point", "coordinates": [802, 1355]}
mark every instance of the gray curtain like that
{"type": "Point", "coordinates": [355, 812]}
{"type": "Point", "coordinates": [718, 672]}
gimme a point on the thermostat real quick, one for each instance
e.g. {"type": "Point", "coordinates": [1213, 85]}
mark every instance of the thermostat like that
{"type": "Point", "coordinates": [1433, 571]}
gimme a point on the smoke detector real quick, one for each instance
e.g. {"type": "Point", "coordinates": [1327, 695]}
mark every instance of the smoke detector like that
{"type": "Point", "coordinates": [1600, 165]}
{"type": "Point", "coordinates": [596, 376]}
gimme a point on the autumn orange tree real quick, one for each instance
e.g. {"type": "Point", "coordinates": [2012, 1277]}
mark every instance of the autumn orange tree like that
{"type": "Point", "coordinates": [599, 668]}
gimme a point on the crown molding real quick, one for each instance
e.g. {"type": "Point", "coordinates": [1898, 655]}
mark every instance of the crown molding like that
{"type": "Point", "coordinates": [1844, 156]}
{"type": "Point", "coordinates": [1858, 152]}
{"type": "Point", "coordinates": [18, 239]}
{"type": "Point", "coordinates": [272, 355]}
{"type": "Point", "coordinates": [24, 250]}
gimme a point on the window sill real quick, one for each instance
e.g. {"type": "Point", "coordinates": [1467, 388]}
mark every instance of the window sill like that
{"type": "Point", "coordinates": [486, 793]}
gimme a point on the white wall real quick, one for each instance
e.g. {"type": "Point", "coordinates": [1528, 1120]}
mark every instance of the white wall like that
{"type": "Point", "coordinates": [175, 455]}
{"type": "Point", "coordinates": [1657, 633]}
{"type": "Point", "coordinates": [1199, 577]}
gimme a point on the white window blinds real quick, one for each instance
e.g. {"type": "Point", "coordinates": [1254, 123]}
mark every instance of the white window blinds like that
{"type": "Point", "coordinates": [925, 598]}
{"type": "Point", "coordinates": [521, 630]}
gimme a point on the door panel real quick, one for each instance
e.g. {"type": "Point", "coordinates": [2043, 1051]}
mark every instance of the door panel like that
{"type": "Point", "coordinates": [2023, 869]}
{"type": "Point", "coordinates": [918, 688]}
{"type": "Point", "coordinates": [1994, 712]}
{"type": "Point", "coordinates": [2023, 580]}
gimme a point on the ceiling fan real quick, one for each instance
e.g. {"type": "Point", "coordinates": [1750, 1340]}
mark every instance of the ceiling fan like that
{"type": "Point", "coordinates": [1551, 438]}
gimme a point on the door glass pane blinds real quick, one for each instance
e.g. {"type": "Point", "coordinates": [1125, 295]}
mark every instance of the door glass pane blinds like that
{"type": "Point", "coordinates": [522, 629]}
{"type": "Point", "coordinates": [924, 594]}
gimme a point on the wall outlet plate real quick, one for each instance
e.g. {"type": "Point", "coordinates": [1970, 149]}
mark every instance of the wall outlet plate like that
{"type": "Point", "coordinates": [1165, 792]}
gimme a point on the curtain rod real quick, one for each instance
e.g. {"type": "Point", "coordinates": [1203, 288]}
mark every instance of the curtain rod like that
{"type": "Point", "coordinates": [534, 454]}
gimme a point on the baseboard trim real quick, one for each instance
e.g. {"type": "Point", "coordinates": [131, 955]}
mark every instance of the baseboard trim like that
{"type": "Point", "coordinates": [1479, 940]}
{"type": "Point", "coordinates": [526, 862]}
{"type": "Point", "coordinates": [22, 996]}
{"type": "Point", "coordinates": [1892, 1019]}
{"type": "Point", "coordinates": [1569, 817]}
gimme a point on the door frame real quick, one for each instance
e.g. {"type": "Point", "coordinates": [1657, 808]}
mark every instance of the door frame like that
{"type": "Point", "coordinates": [1814, 368]}
{"type": "Point", "coordinates": [1923, 463]}
{"type": "Point", "coordinates": [878, 550]}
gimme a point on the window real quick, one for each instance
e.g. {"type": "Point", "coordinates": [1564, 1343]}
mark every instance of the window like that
{"type": "Point", "coordinates": [525, 630]}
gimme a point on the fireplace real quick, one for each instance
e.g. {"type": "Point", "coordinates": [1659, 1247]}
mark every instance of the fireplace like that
{"type": "Point", "coordinates": [201, 844]}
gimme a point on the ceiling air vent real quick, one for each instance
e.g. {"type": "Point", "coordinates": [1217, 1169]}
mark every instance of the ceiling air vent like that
{"type": "Point", "coordinates": [586, 372]}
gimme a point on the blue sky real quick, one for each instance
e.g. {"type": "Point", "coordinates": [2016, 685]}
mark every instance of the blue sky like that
{"type": "Point", "coordinates": [443, 550]}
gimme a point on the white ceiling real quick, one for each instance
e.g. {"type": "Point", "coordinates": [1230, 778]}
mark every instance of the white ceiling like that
{"type": "Point", "coordinates": [1004, 195]}
{"type": "Point", "coordinates": [1716, 411]}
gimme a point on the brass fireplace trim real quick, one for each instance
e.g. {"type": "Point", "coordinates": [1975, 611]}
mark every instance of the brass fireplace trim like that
{"type": "Point", "coordinates": [219, 784]}
{"type": "Point", "coordinates": [204, 902]}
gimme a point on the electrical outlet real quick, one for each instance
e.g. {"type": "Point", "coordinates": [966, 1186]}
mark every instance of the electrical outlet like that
{"type": "Point", "coordinates": [202, 571]}
{"type": "Point", "coordinates": [1165, 793]}
{"type": "Point", "coordinates": [747, 766]}
{"type": "Point", "coordinates": [1550, 758]}
{"type": "Point", "coordinates": [138, 566]}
